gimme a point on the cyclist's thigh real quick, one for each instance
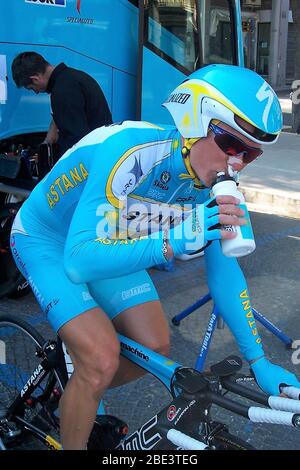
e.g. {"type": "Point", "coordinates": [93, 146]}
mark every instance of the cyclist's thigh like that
{"type": "Point", "coordinates": [91, 340]}
{"type": "Point", "coordinates": [121, 293]}
{"type": "Point", "coordinates": [41, 262]}
{"type": "Point", "coordinates": [132, 302]}
{"type": "Point", "coordinates": [146, 324]}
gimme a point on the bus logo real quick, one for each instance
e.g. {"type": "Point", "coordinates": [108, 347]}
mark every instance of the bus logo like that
{"type": "Point", "coordinates": [53, 3]}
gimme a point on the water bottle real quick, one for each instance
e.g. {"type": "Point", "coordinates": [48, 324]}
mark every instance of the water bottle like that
{"type": "Point", "coordinates": [243, 243]}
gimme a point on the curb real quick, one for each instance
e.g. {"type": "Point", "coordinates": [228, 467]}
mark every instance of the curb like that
{"type": "Point", "coordinates": [272, 203]}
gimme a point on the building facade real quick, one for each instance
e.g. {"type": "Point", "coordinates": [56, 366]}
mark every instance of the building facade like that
{"type": "Point", "coordinates": [270, 38]}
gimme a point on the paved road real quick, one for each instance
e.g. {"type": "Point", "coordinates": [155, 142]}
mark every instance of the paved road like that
{"type": "Point", "coordinates": [271, 183]}
{"type": "Point", "coordinates": [273, 278]}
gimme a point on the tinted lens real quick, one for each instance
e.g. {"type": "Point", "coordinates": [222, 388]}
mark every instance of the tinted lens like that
{"type": "Point", "coordinates": [235, 147]}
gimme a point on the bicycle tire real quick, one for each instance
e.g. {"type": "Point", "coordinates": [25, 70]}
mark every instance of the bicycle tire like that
{"type": "Point", "coordinates": [12, 282]}
{"type": "Point", "coordinates": [19, 342]}
{"type": "Point", "coordinates": [223, 440]}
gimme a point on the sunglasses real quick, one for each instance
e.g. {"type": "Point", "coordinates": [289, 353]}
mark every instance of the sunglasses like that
{"type": "Point", "coordinates": [233, 146]}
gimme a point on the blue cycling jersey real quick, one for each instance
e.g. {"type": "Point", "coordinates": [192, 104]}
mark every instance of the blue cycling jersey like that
{"type": "Point", "coordinates": [105, 204]}
{"type": "Point", "coordinates": [136, 163]}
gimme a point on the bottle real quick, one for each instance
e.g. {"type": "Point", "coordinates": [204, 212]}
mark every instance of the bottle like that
{"type": "Point", "coordinates": [243, 243]}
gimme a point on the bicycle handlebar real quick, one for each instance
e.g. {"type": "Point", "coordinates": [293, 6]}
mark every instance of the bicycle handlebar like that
{"type": "Point", "coordinates": [276, 410]}
{"type": "Point", "coordinates": [264, 415]}
{"type": "Point", "coordinates": [184, 441]}
{"type": "Point", "coordinates": [292, 392]}
{"type": "Point", "coordinates": [284, 404]}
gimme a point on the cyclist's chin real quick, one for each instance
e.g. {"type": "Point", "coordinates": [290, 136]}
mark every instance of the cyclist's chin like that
{"type": "Point", "coordinates": [208, 180]}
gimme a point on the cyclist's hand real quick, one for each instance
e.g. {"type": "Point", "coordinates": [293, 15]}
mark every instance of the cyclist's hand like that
{"type": "Point", "coordinates": [220, 212]}
{"type": "Point", "coordinates": [205, 223]}
{"type": "Point", "coordinates": [270, 377]}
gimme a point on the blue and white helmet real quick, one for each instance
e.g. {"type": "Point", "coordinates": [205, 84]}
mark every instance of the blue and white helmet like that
{"type": "Point", "coordinates": [224, 92]}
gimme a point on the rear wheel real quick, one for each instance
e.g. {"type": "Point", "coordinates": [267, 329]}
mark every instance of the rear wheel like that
{"type": "Point", "coordinates": [20, 345]}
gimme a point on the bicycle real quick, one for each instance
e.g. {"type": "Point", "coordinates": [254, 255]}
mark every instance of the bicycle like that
{"type": "Point", "coordinates": [29, 395]}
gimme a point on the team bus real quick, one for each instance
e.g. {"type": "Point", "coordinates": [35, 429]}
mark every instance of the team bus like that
{"type": "Point", "coordinates": [138, 51]}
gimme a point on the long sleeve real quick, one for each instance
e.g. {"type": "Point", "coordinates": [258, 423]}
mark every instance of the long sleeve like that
{"type": "Point", "coordinates": [94, 248]}
{"type": "Point", "coordinates": [229, 291]}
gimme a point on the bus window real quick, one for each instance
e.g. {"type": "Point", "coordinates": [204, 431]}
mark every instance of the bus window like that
{"type": "Point", "coordinates": [190, 33]}
{"type": "Point", "coordinates": [217, 32]}
{"type": "Point", "coordinates": [171, 31]}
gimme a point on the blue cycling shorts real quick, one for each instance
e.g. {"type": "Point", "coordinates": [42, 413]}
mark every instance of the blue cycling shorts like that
{"type": "Point", "coordinates": [39, 254]}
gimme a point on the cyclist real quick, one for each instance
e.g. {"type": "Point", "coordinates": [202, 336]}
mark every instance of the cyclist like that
{"type": "Point", "coordinates": [127, 197]}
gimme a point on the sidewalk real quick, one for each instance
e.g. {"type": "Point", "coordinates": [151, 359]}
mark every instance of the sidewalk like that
{"type": "Point", "coordinates": [271, 184]}
{"type": "Point", "coordinates": [286, 106]}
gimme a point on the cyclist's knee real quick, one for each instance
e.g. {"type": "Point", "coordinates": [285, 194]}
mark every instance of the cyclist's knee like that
{"type": "Point", "coordinates": [159, 346]}
{"type": "Point", "coordinates": [98, 369]}
{"type": "Point", "coordinates": [163, 348]}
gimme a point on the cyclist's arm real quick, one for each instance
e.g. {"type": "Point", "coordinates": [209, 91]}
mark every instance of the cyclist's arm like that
{"type": "Point", "coordinates": [229, 291]}
{"type": "Point", "coordinates": [92, 251]}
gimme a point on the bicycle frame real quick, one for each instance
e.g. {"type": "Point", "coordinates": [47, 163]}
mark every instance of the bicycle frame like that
{"type": "Point", "coordinates": [188, 412]}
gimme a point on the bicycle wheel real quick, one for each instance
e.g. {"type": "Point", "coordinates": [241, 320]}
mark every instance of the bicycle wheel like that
{"type": "Point", "coordinates": [19, 343]}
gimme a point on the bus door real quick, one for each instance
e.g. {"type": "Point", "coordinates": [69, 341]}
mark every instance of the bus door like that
{"type": "Point", "coordinates": [177, 37]}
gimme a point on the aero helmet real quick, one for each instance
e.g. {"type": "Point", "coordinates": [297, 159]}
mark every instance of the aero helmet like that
{"type": "Point", "coordinates": [224, 92]}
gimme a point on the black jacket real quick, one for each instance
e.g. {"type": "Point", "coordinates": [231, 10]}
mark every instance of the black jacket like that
{"type": "Point", "coordinates": [78, 105]}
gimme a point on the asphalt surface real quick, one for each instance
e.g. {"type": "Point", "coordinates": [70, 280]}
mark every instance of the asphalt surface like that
{"type": "Point", "coordinates": [273, 276]}
{"type": "Point", "coordinates": [271, 183]}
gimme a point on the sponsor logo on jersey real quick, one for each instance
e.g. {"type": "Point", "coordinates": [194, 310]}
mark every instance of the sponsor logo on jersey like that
{"type": "Point", "coordinates": [51, 305]}
{"type": "Point", "coordinates": [145, 219]}
{"type": "Point", "coordinates": [249, 315]}
{"type": "Point", "coordinates": [161, 185]}
{"type": "Point", "coordinates": [186, 199]}
{"type": "Point", "coordinates": [134, 166]}
{"type": "Point", "coordinates": [137, 290]}
{"type": "Point", "coordinates": [127, 187]}
{"type": "Point", "coordinates": [165, 177]}
{"type": "Point", "coordinates": [86, 296]}
{"type": "Point", "coordinates": [155, 194]}
{"type": "Point", "coordinates": [66, 182]}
